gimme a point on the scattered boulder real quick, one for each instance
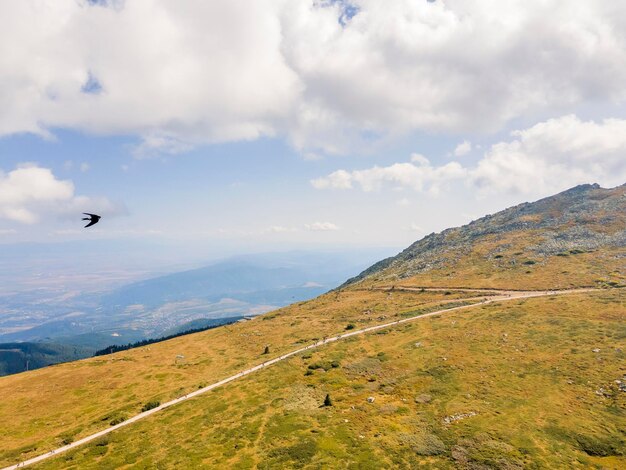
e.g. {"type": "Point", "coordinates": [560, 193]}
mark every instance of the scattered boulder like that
{"type": "Point", "coordinates": [370, 399]}
{"type": "Point", "coordinates": [458, 417]}
{"type": "Point", "coordinates": [423, 398]}
{"type": "Point", "coordinates": [602, 392]}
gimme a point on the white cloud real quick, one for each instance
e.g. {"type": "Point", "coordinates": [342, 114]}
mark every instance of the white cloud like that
{"type": "Point", "coordinates": [9, 231]}
{"type": "Point", "coordinates": [321, 227]}
{"type": "Point", "coordinates": [339, 179]}
{"type": "Point", "coordinates": [280, 229]}
{"type": "Point", "coordinates": [29, 192]}
{"type": "Point", "coordinates": [419, 159]}
{"type": "Point", "coordinates": [547, 157]}
{"type": "Point", "coordinates": [554, 155]}
{"type": "Point", "coordinates": [230, 70]}
{"type": "Point", "coordinates": [84, 167]}
{"type": "Point", "coordinates": [415, 228]}
{"type": "Point", "coordinates": [312, 284]}
{"type": "Point", "coordinates": [404, 202]}
{"type": "Point", "coordinates": [421, 177]}
{"type": "Point", "coordinates": [463, 148]}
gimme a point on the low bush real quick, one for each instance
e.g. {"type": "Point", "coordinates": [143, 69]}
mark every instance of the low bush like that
{"type": "Point", "coordinates": [118, 420]}
{"type": "Point", "coordinates": [150, 405]}
{"type": "Point", "coordinates": [600, 446]}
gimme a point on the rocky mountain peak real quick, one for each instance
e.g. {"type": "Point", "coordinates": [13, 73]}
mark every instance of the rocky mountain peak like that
{"type": "Point", "coordinates": [585, 217]}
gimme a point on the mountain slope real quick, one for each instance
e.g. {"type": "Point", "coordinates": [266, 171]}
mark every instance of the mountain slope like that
{"type": "Point", "coordinates": [528, 384]}
{"type": "Point", "coordinates": [571, 239]}
{"type": "Point", "coordinates": [532, 383]}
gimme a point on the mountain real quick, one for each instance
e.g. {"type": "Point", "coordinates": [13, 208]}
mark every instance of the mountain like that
{"type": "Point", "coordinates": [463, 370]}
{"type": "Point", "coordinates": [583, 228]}
{"type": "Point", "coordinates": [238, 286]}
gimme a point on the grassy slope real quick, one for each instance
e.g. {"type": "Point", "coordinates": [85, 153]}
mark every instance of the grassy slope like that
{"type": "Point", "coordinates": [42, 409]}
{"type": "Point", "coordinates": [510, 270]}
{"type": "Point", "coordinates": [527, 369]}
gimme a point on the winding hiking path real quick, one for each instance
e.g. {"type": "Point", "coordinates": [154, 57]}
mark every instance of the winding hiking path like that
{"type": "Point", "coordinates": [499, 296]}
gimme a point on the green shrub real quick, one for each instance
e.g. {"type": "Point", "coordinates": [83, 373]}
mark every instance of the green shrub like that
{"type": "Point", "coordinates": [102, 442]}
{"type": "Point", "coordinates": [118, 420]}
{"type": "Point", "coordinates": [150, 405]}
{"type": "Point", "coordinates": [424, 443]}
{"type": "Point", "coordinates": [324, 365]}
{"type": "Point", "coordinates": [600, 447]}
{"type": "Point", "coordinates": [382, 356]}
{"type": "Point", "coordinates": [301, 453]}
{"type": "Point", "coordinates": [350, 326]}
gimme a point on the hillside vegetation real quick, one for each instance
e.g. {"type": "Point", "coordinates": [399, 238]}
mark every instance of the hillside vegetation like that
{"type": "Point", "coordinates": [511, 386]}
{"type": "Point", "coordinates": [576, 238]}
{"type": "Point", "coordinates": [535, 383]}
{"type": "Point", "coordinates": [19, 357]}
{"type": "Point", "coordinates": [45, 408]}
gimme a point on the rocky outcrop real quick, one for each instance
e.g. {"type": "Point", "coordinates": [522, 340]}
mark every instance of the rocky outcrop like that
{"type": "Point", "coordinates": [583, 218]}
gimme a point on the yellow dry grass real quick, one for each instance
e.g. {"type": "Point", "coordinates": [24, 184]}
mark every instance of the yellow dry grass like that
{"type": "Point", "coordinates": [526, 384]}
{"type": "Point", "coordinates": [42, 409]}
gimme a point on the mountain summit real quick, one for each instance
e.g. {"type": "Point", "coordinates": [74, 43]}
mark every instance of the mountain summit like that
{"type": "Point", "coordinates": [522, 240]}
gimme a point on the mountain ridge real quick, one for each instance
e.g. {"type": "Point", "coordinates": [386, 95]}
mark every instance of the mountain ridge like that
{"type": "Point", "coordinates": [581, 218]}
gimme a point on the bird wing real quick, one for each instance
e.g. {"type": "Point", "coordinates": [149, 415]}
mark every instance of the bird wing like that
{"type": "Point", "coordinates": [94, 219]}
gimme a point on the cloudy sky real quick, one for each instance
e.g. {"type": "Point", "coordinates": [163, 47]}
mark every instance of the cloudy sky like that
{"type": "Point", "coordinates": [297, 123]}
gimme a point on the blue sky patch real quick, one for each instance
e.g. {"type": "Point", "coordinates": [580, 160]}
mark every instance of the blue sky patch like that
{"type": "Point", "coordinates": [92, 86]}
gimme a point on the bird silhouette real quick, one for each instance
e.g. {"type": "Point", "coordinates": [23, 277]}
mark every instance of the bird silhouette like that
{"type": "Point", "coordinates": [93, 219]}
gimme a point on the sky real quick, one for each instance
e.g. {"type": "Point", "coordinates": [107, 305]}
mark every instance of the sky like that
{"type": "Point", "coordinates": [290, 124]}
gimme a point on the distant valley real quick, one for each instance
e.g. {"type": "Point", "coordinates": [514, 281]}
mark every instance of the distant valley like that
{"type": "Point", "coordinates": [234, 288]}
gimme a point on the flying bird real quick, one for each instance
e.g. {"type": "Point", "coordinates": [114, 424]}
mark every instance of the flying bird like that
{"type": "Point", "coordinates": [93, 219]}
